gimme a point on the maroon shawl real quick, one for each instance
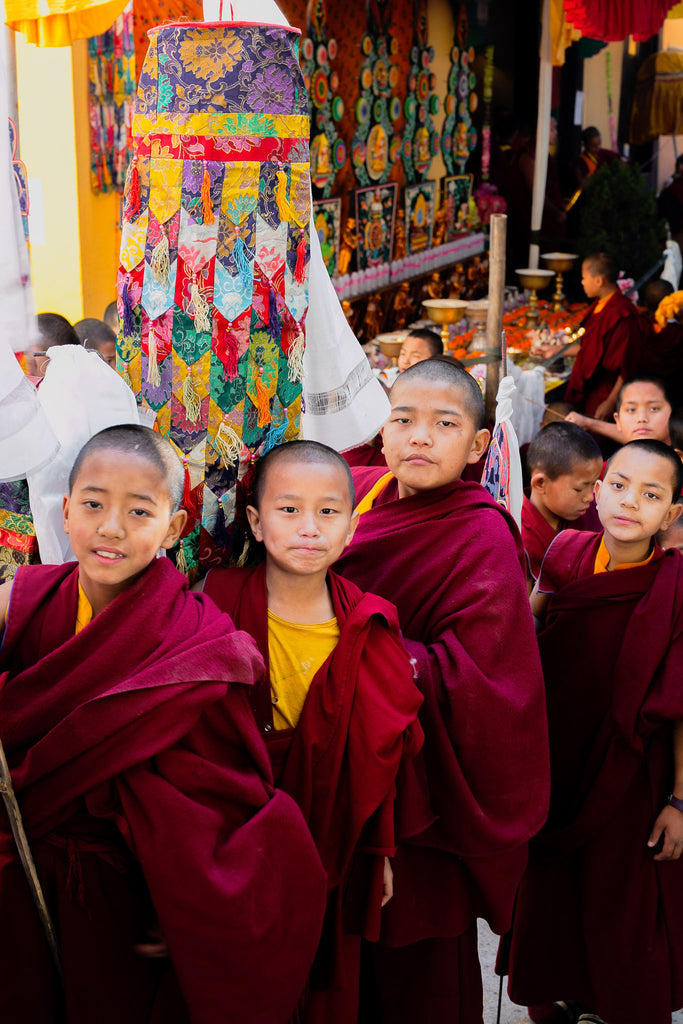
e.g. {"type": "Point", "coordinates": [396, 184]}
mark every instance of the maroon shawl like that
{"type": "Point", "coordinates": [139, 722]}
{"type": "Point", "coordinates": [452, 562]}
{"type": "Point", "coordinates": [597, 919]}
{"type": "Point", "coordinates": [359, 719]}
{"type": "Point", "coordinates": [537, 535]}
{"type": "Point", "coordinates": [610, 348]}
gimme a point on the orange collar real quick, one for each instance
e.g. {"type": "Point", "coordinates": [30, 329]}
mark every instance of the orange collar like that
{"type": "Point", "coordinates": [603, 302]}
{"type": "Point", "coordinates": [602, 560]}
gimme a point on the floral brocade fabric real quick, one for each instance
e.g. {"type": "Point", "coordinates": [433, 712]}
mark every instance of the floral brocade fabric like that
{"type": "Point", "coordinates": [213, 281]}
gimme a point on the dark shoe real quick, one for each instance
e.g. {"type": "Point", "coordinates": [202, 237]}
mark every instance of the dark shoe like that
{"type": "Point", "coordinates": [560, 1012]}
{"type": "Point", "coordinates": [590, 1018]}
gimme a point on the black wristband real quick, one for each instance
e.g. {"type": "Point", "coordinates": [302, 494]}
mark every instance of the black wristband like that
{"type": "Point", "coordinates": [675, 802]}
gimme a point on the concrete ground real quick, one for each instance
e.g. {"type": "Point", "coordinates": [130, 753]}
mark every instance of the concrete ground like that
{"type": "Point", "coordinates": [510, 1014]}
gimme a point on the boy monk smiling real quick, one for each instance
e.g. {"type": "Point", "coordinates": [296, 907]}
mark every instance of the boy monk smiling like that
{"type": "Point", "coordinates": [451, 560]}
{"type": "Point", "coordinates": [338, 707]}
{"type": "Point", "coordinates": [599, 916]}
{"type": "Point", "coordinates": [145, 789]}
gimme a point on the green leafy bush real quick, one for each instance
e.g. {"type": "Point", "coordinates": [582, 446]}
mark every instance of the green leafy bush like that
{"type": "Point", "coordinates": [619, 216]}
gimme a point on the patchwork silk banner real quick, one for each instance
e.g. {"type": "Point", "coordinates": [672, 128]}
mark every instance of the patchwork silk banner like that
{"type": "Point", "coordinates": [213, 282]}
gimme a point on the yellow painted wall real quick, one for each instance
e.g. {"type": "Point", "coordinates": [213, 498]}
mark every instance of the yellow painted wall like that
{"type": "Point", "coordinates": [74, 268]}
{"type": "Point", "coordinates": [99, 214]}
{"type": "Point", "coordinates": [47, 140]}
{"type": "Point", "coordinates": [671, 38]}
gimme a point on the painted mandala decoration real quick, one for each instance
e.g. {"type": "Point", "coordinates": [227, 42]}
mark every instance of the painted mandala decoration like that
{"type": "Point", "coordinates": [459, 134]}
{"type": "Point", "coordinates": [375, 147]}
{"type": "Point", "coordinates": [420, 140]}
{"type": "Point", "coordinates": [326, 107]}
{"type": "Point", "coordinates": [213, 281]}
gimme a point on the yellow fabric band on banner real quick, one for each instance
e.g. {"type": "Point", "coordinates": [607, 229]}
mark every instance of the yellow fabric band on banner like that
{"type": "Point", "coordinates": [293, 126]}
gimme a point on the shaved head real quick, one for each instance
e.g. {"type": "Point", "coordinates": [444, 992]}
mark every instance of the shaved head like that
{"type": "Point", "coordinates": [559, 449]}
{"type": "Point", "coordinates": [298, 452]}
{"type": "Point", "coordinates": [133, 439]}
{"type": "Point", "coordinates": [443, 372]}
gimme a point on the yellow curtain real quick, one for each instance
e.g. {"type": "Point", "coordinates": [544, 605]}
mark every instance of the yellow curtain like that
{"type": "Point", "coordinates": [562, 34]}
{"type": "Point", "coordinates": [59, 22]}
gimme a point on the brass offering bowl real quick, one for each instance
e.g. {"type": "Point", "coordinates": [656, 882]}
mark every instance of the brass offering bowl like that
{"type": "Point", "coordinates": [445, 312]}
{"type": "Point", "coordinates": [561, 263]}
{"type": "Point", "coordinates": [535, 281]}
{"type": "Point", "coordinates": [390, 346]}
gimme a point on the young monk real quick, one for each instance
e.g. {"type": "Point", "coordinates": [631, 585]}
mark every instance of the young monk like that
{"type": "Point", "coordinates": [599, 915]}
{"type": "Point", "coordinates": [643, 409]}
{"type": "Point", "coordinates": [611, 348]}
{"type": "Point", "coordinates": [338, 706]}
{"type": "Point", "coordinates": [145, 788]}
{"type": "Point", "coordinates": [451, 560]}
{"type": "Point", "coordinates": [419, 344]}
{"type": "Point", "coordinates": [563, 462]}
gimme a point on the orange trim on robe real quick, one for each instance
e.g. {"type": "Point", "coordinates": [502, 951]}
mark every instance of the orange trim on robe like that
{"type": "Point", "coordinates": [602, 560]}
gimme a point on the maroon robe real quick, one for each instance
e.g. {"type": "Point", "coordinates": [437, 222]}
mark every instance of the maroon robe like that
{"type": "Point", "coordinates": [597, 920]}
{"type": "Point", "coordinates": [340, 763]}
{"type": "Point", "coordinates": [146, 794]}
{"type": "Point", "coordinates": [452, 562]}
{"type": "Point", "coordinates": [366, 454]}
{"type": "Point", "coordinates": [663, 357]}
{"type": "Point", "coordinates": [537, 534]}
{"type": "Point", "coordinates": [610, 348]}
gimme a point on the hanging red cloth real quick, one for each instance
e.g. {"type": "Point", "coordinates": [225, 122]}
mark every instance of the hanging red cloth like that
{"type": "Point", "coordinates": [612, 20]}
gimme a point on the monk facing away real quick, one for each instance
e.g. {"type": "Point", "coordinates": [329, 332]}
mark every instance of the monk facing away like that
{"type": "Point", "coordinates": [563, 462]}
{"type": "Point", "coordinates": [451, 560]}
{"type": "Point", "coordinates": [145, 788]}
{"type": "Point", "coordinates": [338, 705]}
{"type": "Point", "coordinates": [599, 916]}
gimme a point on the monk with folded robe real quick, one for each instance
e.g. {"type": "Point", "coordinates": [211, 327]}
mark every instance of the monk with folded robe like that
{"type": "Point", "coordinates": [145, 789]}
{"type": "Point", "coordinates": [599, 915]}
{"type": "Point", "coordinates": [610, 350]}
{"type": "Point", "coordinates": [451, 560]}
{"type": "Point", "coordinates": [563, 462]}
{"type": "Point", "coordinates": [338, 706]}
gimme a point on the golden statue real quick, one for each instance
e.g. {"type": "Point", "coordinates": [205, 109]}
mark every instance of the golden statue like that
{"type": "Point", "coordinates": [457, 282]}
{"type": "Point", "coordinates": [373, 315]}
{"type": "Point", "coordinates": [439, 233]}
{"type": "Point", "coordinates": [402, 307]}
{"type": "Point", "coordinates": [433, 287]}
{"type": "Point", "coordinates": [400, 236]}
{"type": "Point", "coordinates": [349, 243]}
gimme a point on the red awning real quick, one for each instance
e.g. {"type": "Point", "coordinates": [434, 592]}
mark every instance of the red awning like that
{"type": "Point", "coordinates": [613, 20]}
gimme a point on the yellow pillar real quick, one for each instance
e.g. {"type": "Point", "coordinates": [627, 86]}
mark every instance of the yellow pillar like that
{"type": "Point", "coordinates": [74, 232]}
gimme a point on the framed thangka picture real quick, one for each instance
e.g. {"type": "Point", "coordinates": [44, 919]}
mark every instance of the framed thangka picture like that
{"type": "Point", "coordinates": [456, 195]}
{"type": "Point", "coordinates": [420, 215]}
{"type": "Point", "coordinates": [327, 220]}
{"type": "Point", "coordinates": [375, 213]}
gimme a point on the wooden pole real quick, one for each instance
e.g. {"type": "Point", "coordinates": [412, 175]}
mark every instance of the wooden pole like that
{"type": "Point", "coordinates": [494, 324]}
{"type": "Point", "coordinates": [14, 814]}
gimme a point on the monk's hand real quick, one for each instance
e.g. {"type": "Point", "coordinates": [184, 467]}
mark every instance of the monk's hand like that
{"type": "Point", "coordinates": [669, 827]}
{"type": "Point", "coordinates": [388, 882]}
{"type": "Point", "coordinates": [154, 945]}
{"type": "Point", "coordinates": [581, 421]}
{"type": "Point", "coordinates": [604, 411]}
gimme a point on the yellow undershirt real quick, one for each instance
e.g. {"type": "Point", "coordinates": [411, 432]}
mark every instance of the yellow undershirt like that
{"type": "Point", "coordinates": [296, 653]}
{"type": "Point", "coordinates": [603, 302]}
{"type": "Point", "coordinates": [602, 560]}
{"type": "Point", "coordinates": [366, 503]}
{"type": "Point", "coordinates": [83, 611]}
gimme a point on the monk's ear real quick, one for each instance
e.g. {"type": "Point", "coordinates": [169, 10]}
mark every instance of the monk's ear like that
{"type": "Point", "coordinates": [596, 490]}
{"type": "Point", "coordinates": [537, 482]}
{"type": "Point", "coordinates": [175, 528]}
{"type": "Point", "coordinates": [479, 445]}
{"type": "Point", "coordinates": [671, 516]}
{"type": "Point", "coordinates": [65, 513]}
{"type": "Point", "coordinates": [355, 519]}
{"type": "Point", "coordinates": [255, 522]}
{"type": "Point", "coordinates": [679, 453]}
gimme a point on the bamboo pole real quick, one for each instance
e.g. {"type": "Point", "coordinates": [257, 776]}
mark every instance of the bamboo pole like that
{"type": "Point", "coordinates": [494, 324]}
{"type": "Point", "coordinates": [26, 857]}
